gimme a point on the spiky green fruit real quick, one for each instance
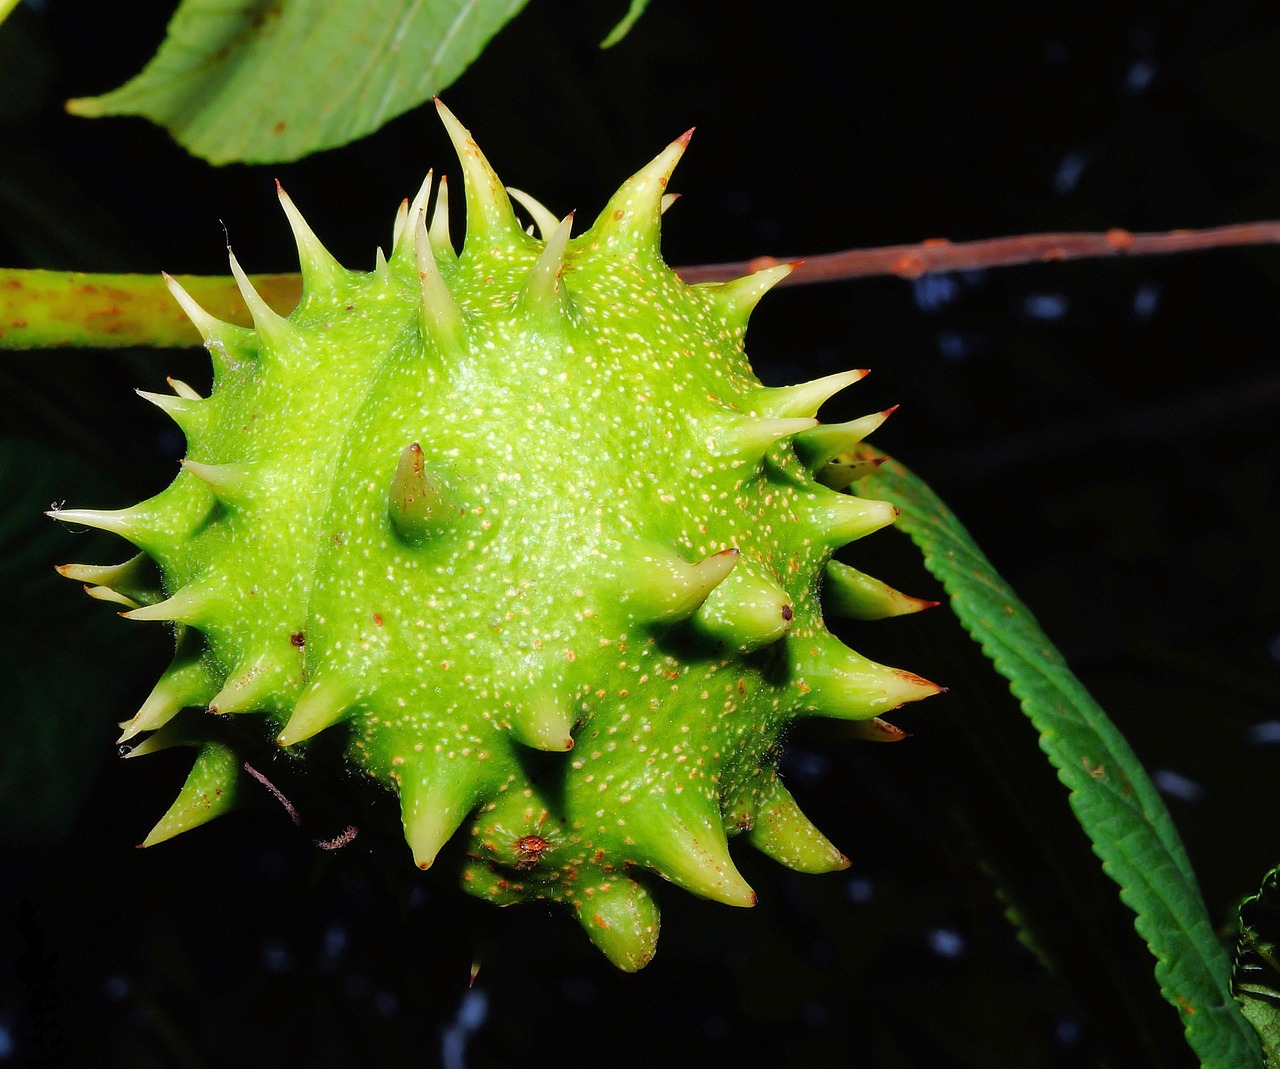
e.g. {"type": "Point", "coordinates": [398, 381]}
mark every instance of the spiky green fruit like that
{"type": "Point", "coordinates": [525, 496]}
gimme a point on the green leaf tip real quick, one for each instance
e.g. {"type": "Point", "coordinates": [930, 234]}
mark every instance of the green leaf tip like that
{"type": "Point", "coordinates": [623, 27]}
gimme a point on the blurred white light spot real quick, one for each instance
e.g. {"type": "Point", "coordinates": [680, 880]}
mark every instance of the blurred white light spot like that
{"type": "Point", "coordinates": [1266, 733]}
{"type": "Point", "coordinates": [953, 347]}
{"type": "Point", "coordinates": [471, 1015]}
{"type": "Point", "coordinates": [859, 889]}
{"type": "Point", "coordinates": [335, 942]}
{"type": "Point", "coordinates": [1139, 76]}
{"type": "Point", "coordinates": [807, 766]}
{"type": "Point", "coordinates": [1067, 1032]}
{"type": "Point", "coordinates": [1176, 785]}
{"type": "Point", "coordinates": [1145, 300]}
{"type": "Point", "coordinates": [276, 956]}
{"type": "Point", "coordinates": [934, 290]}
{"type": "Point", "coordinates": [1046, 306]}
{"type": "Point", "coordinates": [946, 943]}
{"type": "Point", "coordinates": [1067, 176]}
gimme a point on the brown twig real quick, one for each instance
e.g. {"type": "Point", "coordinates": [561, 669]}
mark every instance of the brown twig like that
{"type": "Point", "coordinates": [336, 843]}
{"type": "Point", "coordinates": [939, 254]}
{"type": "Point", "coordinates": [45, 309]}
{"type": "Point", "coordinates": [279, 794]}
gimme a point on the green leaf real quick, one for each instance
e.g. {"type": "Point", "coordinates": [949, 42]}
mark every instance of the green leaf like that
{"type": "Point", "coordinates": [1256, 970]}
{"type": "Point", "coordinates": [1110, 794]}
{"type": "Point", "coordinates": [273, 80]}
{"type": "Point", "coordinates": [624, 27]}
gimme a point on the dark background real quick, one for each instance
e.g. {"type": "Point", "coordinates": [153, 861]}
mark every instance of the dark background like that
{"type": "Point", "coordinates": [1107, 431]}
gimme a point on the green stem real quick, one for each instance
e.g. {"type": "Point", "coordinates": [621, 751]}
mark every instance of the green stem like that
{"type": "Point", "coordinates": [56, 309]}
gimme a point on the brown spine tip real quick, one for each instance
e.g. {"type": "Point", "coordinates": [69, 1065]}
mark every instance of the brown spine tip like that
{"type": "Point", "coordinates": [919, 681]}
